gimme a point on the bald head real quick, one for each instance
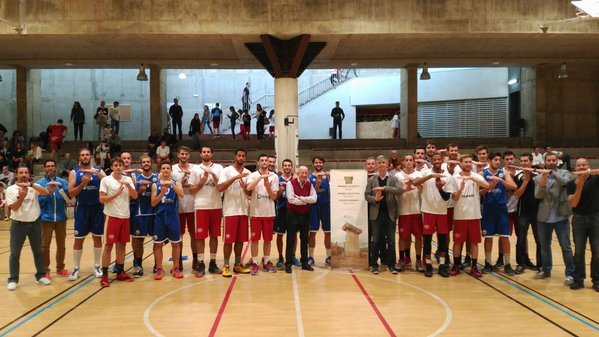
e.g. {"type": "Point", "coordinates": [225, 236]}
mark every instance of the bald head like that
{"type": "Point", "coordinates": [582, 164]}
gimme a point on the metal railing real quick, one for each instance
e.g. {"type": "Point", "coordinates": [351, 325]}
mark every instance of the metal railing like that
{"type": "Point", "coordinates": [308, 95]}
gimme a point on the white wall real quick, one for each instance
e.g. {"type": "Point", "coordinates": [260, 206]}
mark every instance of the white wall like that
{"type": "Point", "coordinates": [8, 99]}
{"type": "Point", "coordinates": [459, 84]}
{"type": "Point", "coordinates": [374, 90]}
{"type": "Point", "coordinates": [315, 117]}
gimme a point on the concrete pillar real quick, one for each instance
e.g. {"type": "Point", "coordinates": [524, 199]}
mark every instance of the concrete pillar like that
{"type": "Point", "coordinates": [22, 101]}
{"type": "Point", "coordinates": [157, 99]}
{"type": "Point", "coordinates": [542, 74]}
{"type": "Point", "coordinates": [35, 119]}
{"type": "Point", "coordinates": [409, 104]}
{"type": "Point", "coordinates": [528, 101]}
{"type": "Point", "coordinates": [286, 107]}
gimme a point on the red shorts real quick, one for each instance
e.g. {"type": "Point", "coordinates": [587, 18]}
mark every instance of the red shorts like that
{"type": "Point", "coordinates": [271, 128]}
{"type": "Point", "coordinates": [187, 218]}
{"type": "Point", "coordinates": [450, 218]}
{"type": "Point", "coordinates": [116, 230]}
{"type": "Point", "coordinates": [434, 223]}
{"type": "Point", "coordinates": [410, 225]}
{"type": "Point", "coordinates": [264, 226]}
{"type": "Point", "coordinates": [467, 231]}
{"type": "Point", "coordinates": [216, 123]}
{"type": "Point", "coordinates": [55, 145]}
{"type": "Point", "coordinates": [513, 221]}
{"type": "Point", "coordinates": [208, 222]}
{"type": "Point", "coordinates": [236, 229]}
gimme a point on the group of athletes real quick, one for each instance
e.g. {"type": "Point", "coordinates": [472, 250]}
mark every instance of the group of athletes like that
{"type": "Point", "coordinates": [484, 195]}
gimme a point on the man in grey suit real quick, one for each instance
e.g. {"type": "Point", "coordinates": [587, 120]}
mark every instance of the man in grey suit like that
{"type": "Point", "coordinates": [553, 214]}
{"type": "Point", "coordinates": [381, 194]}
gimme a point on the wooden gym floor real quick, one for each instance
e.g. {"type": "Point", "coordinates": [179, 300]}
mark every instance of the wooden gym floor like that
{"type": "Point", "coordinates": [326, 302]}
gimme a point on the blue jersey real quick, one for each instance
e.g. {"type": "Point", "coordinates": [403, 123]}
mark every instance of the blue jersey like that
{"type": "Point", "coordinates": [144, 201]}
{"type": "Point", "coordinates": [324, 192]}
{"type": "Point", "coordinates": [282, 202]}
{"type": "Point", "coordinates": [498, 195]}
{"type": "Point", "coordinates": [90, 195]}
{"type": "Point", "coordinates": [169, 204]}
{"type": "Point", "coordinates": [53, 206]}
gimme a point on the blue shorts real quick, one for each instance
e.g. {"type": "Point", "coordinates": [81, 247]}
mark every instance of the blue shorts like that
{"type": "Point", "coordinates": [142, 226]}
{"type": "Point", "coordinates": [89, 219]}
{"type": "Point", "coordinates": [166, 226]}
{"type": "Point", "coordinates": [281, 221]}
{"type": "Point", "coordinates": [320, 214]}
{"type": "Point", "coordinates": [495, 221]}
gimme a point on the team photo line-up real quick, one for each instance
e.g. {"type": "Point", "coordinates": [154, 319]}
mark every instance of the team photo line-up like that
{"type": "Point", "coordinates": [427, 191]}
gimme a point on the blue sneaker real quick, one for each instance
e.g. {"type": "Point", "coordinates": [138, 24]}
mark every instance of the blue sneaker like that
{"type": "Point", "coordinates": [310, 261]}
{"type": "Point", "coordinates": [280, 263]}
{"type": "Point", "coordinates": [327, 262]}
{"type": "Point", "coordinates": [296, 262]}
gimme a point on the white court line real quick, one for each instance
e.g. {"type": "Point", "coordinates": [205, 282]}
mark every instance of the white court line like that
{"type": "Point", "coordinates": [298, 308]}
{"type": "Point", "coordinates": [150, 307]}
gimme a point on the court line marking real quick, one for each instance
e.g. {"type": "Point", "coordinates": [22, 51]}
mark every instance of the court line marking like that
{"type": "Point", "coordinates": [373, 305]}
{"type": "Point", "coordinates": [298, 308]}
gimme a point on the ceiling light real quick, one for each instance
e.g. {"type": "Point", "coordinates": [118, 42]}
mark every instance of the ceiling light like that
{"type": "Point", "coordinates": [354, 64]}
{"type": "Point", "coordinates": [495, 63]}
{"type": "Point", "coordinates": [68, 64]}
{"type": "Point", "coordinates": [214, 64]}
{"type": "Point", "coordinates": [182, 76]}
{"type": "Point", "coordinates": [512, 81]}
{"type": "Point", "coordinates": [563, 71]}
{"type": "Point", "coordinates": [142, 76]}
{"type": "Point", "coordinates": [425, 75]}
{"type": "Point", "coordinates": [590, 7]}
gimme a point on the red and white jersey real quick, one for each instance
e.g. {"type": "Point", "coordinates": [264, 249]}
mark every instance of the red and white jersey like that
{"type": "Point", "coordinates": [235, 201]}
{"type": "Point", "coordinates": [430, 198]}
{"type": "Point", "coordinates": [185, 204]}
{"type": "Point", "coordinates": [208, 197]}
{"type": "Point", "coordinates": [468, 206]}
{"type": "Point", "coordinates": [261, 205]}
{"type": "Point", "coordinates": [409, 202]}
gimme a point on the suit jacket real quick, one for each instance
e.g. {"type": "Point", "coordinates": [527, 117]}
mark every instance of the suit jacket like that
{"type": "Point", "coordinates": [554, 195]}
{"type": "Point", "coordinates": [392, 191]}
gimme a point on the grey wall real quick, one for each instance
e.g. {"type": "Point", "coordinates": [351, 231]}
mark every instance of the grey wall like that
{"type": "Point", "coordinates": [8, 100]}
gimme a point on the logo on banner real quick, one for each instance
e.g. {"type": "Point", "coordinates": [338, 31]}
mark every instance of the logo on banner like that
{"type": "Point", "coordinates": [348, 180]}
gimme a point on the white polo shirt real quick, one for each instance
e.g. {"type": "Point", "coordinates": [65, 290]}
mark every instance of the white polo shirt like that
{"type": "Point", "coordinates": [30, 208]}
{"type": "Point", "coordinates": [208, 197]}
{"type": "Point", "coordinates": [261, 205]}
{"type": "Point", "coordinates": [185, 204]}
{"type": "Point", "coordinates": [119, 207]}
{"type": "Point", "coordinates": [235, 201]}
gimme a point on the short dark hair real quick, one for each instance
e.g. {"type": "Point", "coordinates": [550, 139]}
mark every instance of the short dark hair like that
{"type": "Point", "coordinates": [508, 153]}
{"type": "Point", "coordinates": [480, 148]}
{"type": "Point", "coordinates": [117, 160]}
{"type": "Point", "coordinates": [495, 154]}
{"type": "Point", "coordinates": [319, 158]}
{"type": "Point", "coordinates": [241, 150]}
{"type": "Point", "coordinates": [262, 155]}
{"type": "Point", "coordinates": [419, 147]}
{"type": "Point", "coordinates": [526, 154]}
{"type": "Point", "coordinates": [207, 147]}
{"type": "Point", "coordinates": [49, 161]}
{"type": "Point", "coordinates": [184, 148]}
{"type": "Point", "coordinates": [287, 161]}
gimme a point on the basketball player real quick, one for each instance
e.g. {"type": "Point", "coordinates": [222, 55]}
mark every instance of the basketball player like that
{"type": "Point", "coordinates": [142, 224]}
{"type": "Point", "coordinates": [181, 172]}
{"type": "Point", "coordinates": [320, 213]}
{"type": "Point", "coordinates": [281, 219]}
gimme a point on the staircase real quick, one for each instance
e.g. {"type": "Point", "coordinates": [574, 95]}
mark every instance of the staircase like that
{"type": "Point", "coordinates": [308, 95]}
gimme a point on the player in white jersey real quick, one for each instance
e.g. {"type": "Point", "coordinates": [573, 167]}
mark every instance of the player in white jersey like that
{"type": "Point", "coordinates": [464, 188]}
{"type": "Point", "coordinates": [509, 160]}
{"type": "Point", "coordinates": [410, 218]}
{"type": "Point", "coordinates": [208, 208]}
{"type": "Point", "coordinates": [452, 167]}
{"type": "Point", "coordinates": [232, 182]}
{"type": "Point", "coordinates": [137, 240]}
{"type": "Point", "coordinates": [264, 187]}
{"type": "Point", "coordinates": [181, 172]}
{"type": "Point", "coordinates": [419, 157]}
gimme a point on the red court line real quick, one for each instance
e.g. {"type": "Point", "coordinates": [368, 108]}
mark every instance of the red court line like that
{"type": "Point", "coordinates": [223, 306]}
{"type": "Point", "coordinates": [373, 305]}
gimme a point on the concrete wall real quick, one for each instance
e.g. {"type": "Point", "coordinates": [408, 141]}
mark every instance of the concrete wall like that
{"type": "Point", "coordinates": [528, 92]}
{"type": "Point", "coordinates": [460, 84]}
{"type": "Point", "coordinates": [8, 101]}
{"type": "Point", "coordinates": [374, 130]}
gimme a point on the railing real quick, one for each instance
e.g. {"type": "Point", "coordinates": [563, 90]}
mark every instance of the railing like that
{"type": "Point", "coordinates": [308, 95]}
{"type": "Point", "coordinates": [267, 101]}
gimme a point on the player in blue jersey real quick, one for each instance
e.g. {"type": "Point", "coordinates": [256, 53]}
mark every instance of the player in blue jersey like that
{"type": "Point", "coordinates": [142, 212]}
{"type": "Point", "coordinates": [320, 213]}
{"type": "Point", "coordinates": [495, 220]}
{"type": "Point", "coordinates": [84, 184]}
{"type": "Point", "coordinates": [165, 198]}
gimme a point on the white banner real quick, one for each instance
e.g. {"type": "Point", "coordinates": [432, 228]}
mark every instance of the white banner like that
{"type": "Point", "coordinates": [349, 219]}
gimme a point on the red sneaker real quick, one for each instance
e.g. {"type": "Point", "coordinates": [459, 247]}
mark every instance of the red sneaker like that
{"type": "Point", "coordinates": [159, 274]}
{"type": "Point", "coordinates": [177, 273]}
{"type": "Point", "coordinates": [123, 277]}
{"type": "Point", "coordinates": [455, 270]}
{"type": "Point", "coordinates": [269, 267]}
{"type": "Point", "coordinates": [408, 261]}
{"type": "Point", "coordinates": [475, 272]}
{"type": "Point", "coordinates": [255, 269]}
{"type": "Point", "coordinates": [104, 282]}
{"type": "Point", "coordinates": [63, 272]}
{"type": "Point", "coordinates": [49, 275]}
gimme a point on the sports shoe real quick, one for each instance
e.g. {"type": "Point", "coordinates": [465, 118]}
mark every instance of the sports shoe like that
{"type": "Point", "coordinates": [393, 270]}
{"type": "Point", "coordinates": [296, 262]}
{"type": "Point", "coordinates": [123, 277]}
{"type": "Point", "coordinates": [254, 270]}
{"type": "Point", "coordinates": [569, 280]}
{"type": "Point", "coordinates": [240, 269]}
{"type": "Point", "coordinates": [213, 268]}
{"type": "Point", "coordinates": [227, 271]}
{"type": "Point", "coordinates": [280, 263]}
{"type": "Point", "coordinates": [269, 267]}
{"type": "Point", "coordinates": [249, 263]}
{"type": "Point", "coordinates": [508, 270]}
{"type": "Point", "coordinates": [401, 266]}
{"type": "Point", "coordinates": [375, 270]}
{"type": "Point", "coordinates": [176, 272]}
{"type": "Point", "coordinates": [419, 266]}
{"type": "Point", "coordinates": [307, 267]}
{"type": "Point", "coordinates": [98, 271]}
{"type": "Point", "coordinates": [475, 272]}
{"type": "Point", "coordinates": [74, 275]}
{"type": "Point", "coordinates": [519, 269]}
{"type": "Point", "coordinates": [443, 270]}
{"type": "Point", "coordinates": [63, 272]}
{"type": "Point", "coordinates": [310, 261]}
{"type": "Point", "coordinates": [408, 261]}
{"type": "Point", "coordinates": [114, 270]}
{"type": "Point", "coordinates": [104, 282]}
{"type": "Point", "coordinates": [159, 274]}
{"type": "Point", "coordinates": [488, 269]}
{"type": "Point", "coordinates": [498, 265]}
{"type": "Point", "coordinates": [543, 276]}
{"type": "Point", "coordinates": [467, 262]}
{"type": "Point", "coordinates": [43, 281]}
{"type": "Point", "coordinates": [201, 270]}
{"type": "Point", "coordinates": [530, 265]}
{"type": "Point", "coordinates": [138, 272]}
{"type": "Point", "coordinates": [288, 268]}
{"type": "Point", "coordinates": [12, 286]}
{"type": "Point", "coordinates": [48, 275]}
{"type": "Point", "coordinates": [194, 265]}
{"type": "Point", "coordinates": [577, 285]}
{"type": "Point", "coordinates": [428, 271]}
{"type": "Point", "coordinates": [328, 262]}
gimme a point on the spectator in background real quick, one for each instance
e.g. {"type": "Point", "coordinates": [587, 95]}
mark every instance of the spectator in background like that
{"type": "Point", "coordinates": [97, 161]}
{"type": "Point", "coordinates": [3, 160]}
{"type": "Point", "coordinates": [115, 142]}
{"type": "Point", "coordinates": [106, 163]}
{"type": "Point", "coordinates": [115, 117]}
{"type": "Point", "coordinates": [538, 159]}
{"type": "Point", "coordinates": [176, 113]}
{"type": "Point", "coordinates": [246, 102]}
{"type": "Point", "coordinates": [195, 127]}
{"type": "Point", "coordinates": [101, 118]}
{"type": "Point", "coordinates": [247, 125]}
{"type": "Point", "coordinates": [233, 117]}
{"type": "Point", "coordinates": [57, 133]}
{"type": "Point", "coordinates": [6, 176]}
{"type": "Point", "coordinates": [163, 153]}
{"type": "Point", "coordinates": [271, 124]}
{"type": "Point", "coordinates": [34, 155]}
{"type": "Point", "coordinates": [153, 143]}
{"type": "Point", "coordinates": [3, 206]}
{"type": "Point", "coordinates": [216, 115]}
{"type": "Point", "coordinates": [338, 117]}
{"type": "Point", "coordinates": [395, 125]}
{"type": "Point", "coordinates": [91, 147]}
{"type": "Point", "coordinates": [6, 150]}
{"type": "Point", "coordinates": [78, 119]}
{"type": "Point", "coordinates": [68, 164]}
{"type": "Point", "coordinates": [3, 131]}
{"type": "Point", "coordinates": [206, 118]}
{"type": "Point", "coordinates": [17, 138]}
{"type": "Point", "coordinates": [171, 140]}
{"type": "Point", "coordinates": [102, 150]}
{"type": "Point", "coordinates": [393, 161]}
{"type": "Point", "coordinates": [260, 117]}
{"type": "Point", "coordinates": [18, 156]}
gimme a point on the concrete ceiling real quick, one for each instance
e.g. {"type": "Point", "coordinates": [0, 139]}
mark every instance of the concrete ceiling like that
{"type": "Point", "coordinates": [187, 51]}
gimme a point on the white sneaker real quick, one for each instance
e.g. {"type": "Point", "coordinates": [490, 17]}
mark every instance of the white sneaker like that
{"type": "Point", "coordinates": [569, 280]}
{"type": "Point", "coordinates": [12, 286]}
{"type": "Point", "coordinates": [44, 281]}
{"type": "Point", "coordinates": [74, 275]}
{"type": "Point", "coordinates": [98, 271]}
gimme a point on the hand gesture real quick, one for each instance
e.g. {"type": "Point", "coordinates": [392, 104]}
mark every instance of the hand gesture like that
{"type": "Point", "coordinates": [242, 175]}
{"type": "Point", "coordinates": [55, 184]}
{"type": "Point", "coordinates": [22, 191]}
